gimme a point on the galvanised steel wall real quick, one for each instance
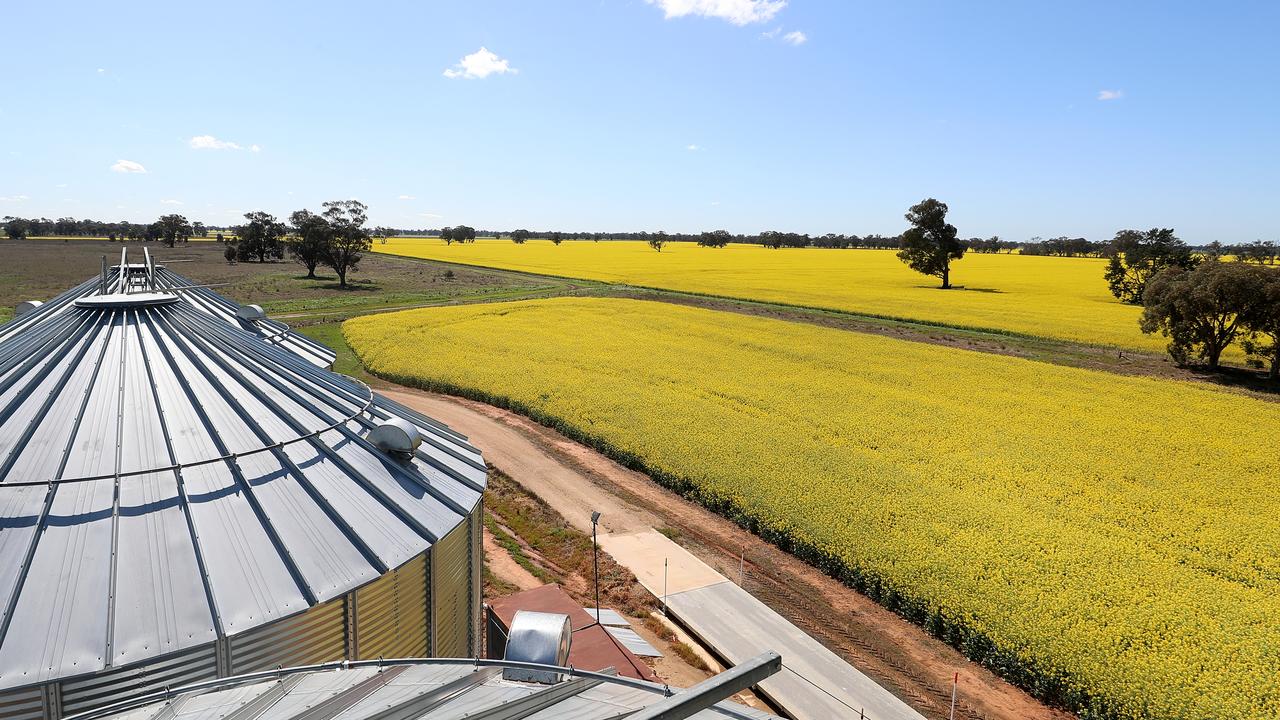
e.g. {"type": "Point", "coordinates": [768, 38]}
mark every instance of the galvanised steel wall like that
{"type": "Point", "coordinates": [315, 636]}
{"type": "Point", "coordinates": [451, 593]}
{"type": "Point", "coordinates": [428, 607]}
{"type": "Point", "coordinates": [391, 614]}
{"type": "Point", "coordinates": [22, 704]}
{"type": "Point", "coordinates": [181, 668]}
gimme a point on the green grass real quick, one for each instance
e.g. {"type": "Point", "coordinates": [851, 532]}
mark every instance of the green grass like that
{"type": "Point", "coordinates": [330, 334]}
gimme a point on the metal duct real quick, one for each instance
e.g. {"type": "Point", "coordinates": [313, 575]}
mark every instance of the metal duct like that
{"type": "Point", "coordinates": [538, 637]}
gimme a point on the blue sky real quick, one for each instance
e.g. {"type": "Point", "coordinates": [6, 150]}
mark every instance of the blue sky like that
{"type": "Point", "coordinates": [665, 114]}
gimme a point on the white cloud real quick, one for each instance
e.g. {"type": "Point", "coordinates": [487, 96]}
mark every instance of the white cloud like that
{"type": "Point", "coordinates": [692, 148]}
{"type": "Point", "coordinates": [14, 198]}
{"type": "Point", "coordinates": [209, 142]}
{"type": "Point", "coordinates": [771, 34]}
{"type": "Point", "coordinates": [406, 197]}
{"type": "Point", "coordinates": [479, 64]}
{"type": "Point", "coordinates": [738, 12]}
{"type": "Point", "coordinates": [171, 202]}
{"type": "Point", "coordinates": [430, 215]}
{"type": "Point", "coordinates": [102, 71]}
{"type": "Point", "coordinates": [795, 37]}
{"type": "Point", "coordinates": [715, 203]}
{"type": "Point", "coordinates": [60, 185]}
{"type": "Point", "coordinates": [128, 166]}
{"type": "Point", "coordinates": [1110, 94]}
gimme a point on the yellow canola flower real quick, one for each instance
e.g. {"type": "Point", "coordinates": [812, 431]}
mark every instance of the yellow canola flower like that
{"type": "Point", "coordinates": [1121, 534]}
{"type": "Point", "coordinates": [1061, 298]}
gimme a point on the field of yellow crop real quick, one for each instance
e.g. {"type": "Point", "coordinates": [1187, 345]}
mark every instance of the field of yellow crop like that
{"type": "Point", "coordinates": [1112, 542]}
{"type": "Point", "coordinates": [1063, 298]}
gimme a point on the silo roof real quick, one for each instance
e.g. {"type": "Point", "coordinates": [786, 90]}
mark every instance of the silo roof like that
{"type": "Point", "coordinates": [169, 477]}
{"type": "Point", "coordinates": [436, 689]}
{"type": "Point", "coordinates": [199, 297]}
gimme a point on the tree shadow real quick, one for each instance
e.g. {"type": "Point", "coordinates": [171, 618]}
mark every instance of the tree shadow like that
{"type": "Point", "coordinates": [962, 288]}
{"type": "Point", "coordinates": [1234, 377]}
{"type": "Point", "coordinates": [352, 286]}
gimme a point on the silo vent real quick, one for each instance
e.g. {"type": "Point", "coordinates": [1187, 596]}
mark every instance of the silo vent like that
{"type": "Point", "coordinates": [396, 436]}
{"type": "Point", "coordinates": [538, 637]}
{"type": "Point", "coordinates": [25, 307]}
{"type": "Point", "coordinates": [251, 313]}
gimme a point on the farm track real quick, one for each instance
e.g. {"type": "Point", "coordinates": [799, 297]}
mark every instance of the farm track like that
{"type": "Point", "coordinates": [896, 653]}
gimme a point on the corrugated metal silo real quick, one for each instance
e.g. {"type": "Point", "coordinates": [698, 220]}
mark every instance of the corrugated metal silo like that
{"type": "Point", "coordinates": [188, 494]}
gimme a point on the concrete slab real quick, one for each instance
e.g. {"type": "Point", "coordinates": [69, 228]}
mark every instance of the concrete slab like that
{"type": "Point", "coordinates": [815, 683]}
{"type": "Point", "coordinates": [643, 554]}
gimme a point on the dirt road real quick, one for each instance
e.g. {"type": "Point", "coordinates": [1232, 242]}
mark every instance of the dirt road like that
{"type": "Point", "coordinates": [576, 480]}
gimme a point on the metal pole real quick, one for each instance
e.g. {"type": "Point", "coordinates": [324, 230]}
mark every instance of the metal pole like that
{"type": "Point", "coordinates": [664, 586]}
{"type": "Point", "coordinates": [595, 553]}
{"type": "Point", "coordinates": [955, 682]}
{"type": "Point", "coordinates": [742, 564]}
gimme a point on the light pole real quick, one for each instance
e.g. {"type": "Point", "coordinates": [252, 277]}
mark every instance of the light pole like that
{"type": "Point", "coordinates": [595, 558]}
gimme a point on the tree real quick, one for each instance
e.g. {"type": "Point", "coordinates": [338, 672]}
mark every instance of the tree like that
{"type": "Point", "coordinates": [464, 234]}
{"type": "Point", "coordinates": [930, 245]}
{"type": "Point", "coordinates": [1262, 341]}
{"type": "Point", "coordinates": [349, 238]}
{"type": "Point", "coordinates": [1136, 258]}
{"type": "Point", "coordinates": [261, 237]}
{"type": "Point", "coordinates": [714, 238]}
{"type": "Point", "coordinates": [17, 228]}
{"type": "Point", "coordinates": [174, 229]}
{"type": "Point", "coordinates": [219, 237]}
{"type": "Point", "coordinates": [382, 233]}
{"type": "Point", "coordinates": [657, 240]}
{"type": "Point", "coordinates": [199, 229]}
{"type": "Point", "coordinates": [153, 232]}
{"type": "Point", "coordinates": [446, 234]}
{"type": "Point", "coordinates": [230, 253]}
{"type": "Point", "coordinates": [556, 238]}
{"type": "Point", "coordinates": [519, 236]}
{"type": "Point", "coordinates": [1202, 311]}
{"type": "Point", "coordinates": [309, 241]}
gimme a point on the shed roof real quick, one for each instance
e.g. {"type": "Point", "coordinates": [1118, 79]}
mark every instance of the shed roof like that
{"type": "Point", "coordinates": [593, 647]}
{"type": "Point", "coordinates": [169, 476]}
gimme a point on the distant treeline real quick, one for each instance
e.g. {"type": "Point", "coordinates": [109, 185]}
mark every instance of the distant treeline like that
{"type": "Point", "coordinates": [1260, 251]}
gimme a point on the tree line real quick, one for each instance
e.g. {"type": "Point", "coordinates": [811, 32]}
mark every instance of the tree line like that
{"type": "Point", "coordinates": [1260, 251]}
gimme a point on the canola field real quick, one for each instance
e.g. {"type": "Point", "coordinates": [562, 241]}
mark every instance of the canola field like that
{"type": "Point", "coordinates": [1060, 298]}
{"type": "Point", "coordinates": [1112, 542]}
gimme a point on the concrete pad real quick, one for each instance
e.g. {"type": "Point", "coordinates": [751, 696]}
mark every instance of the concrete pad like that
{"type": "Point", "coordinates": [815, 683]}
{"type": "Point", "coordinates": [643, 553]}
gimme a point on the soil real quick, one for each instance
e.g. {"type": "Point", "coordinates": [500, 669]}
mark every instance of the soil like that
{"type": "Point", "coordinates": [501, 564]}
{"type": "Point", "coordinates": [575, 480]}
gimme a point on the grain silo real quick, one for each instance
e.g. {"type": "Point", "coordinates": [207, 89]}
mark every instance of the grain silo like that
{"type": "Point", "coordinates": [186, 493]}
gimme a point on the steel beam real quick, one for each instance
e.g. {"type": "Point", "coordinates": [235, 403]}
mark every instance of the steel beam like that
{"type": "Point", "coordinates": [707, 693]}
